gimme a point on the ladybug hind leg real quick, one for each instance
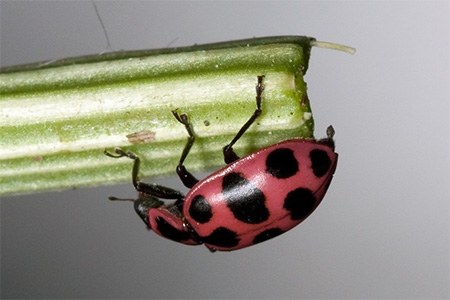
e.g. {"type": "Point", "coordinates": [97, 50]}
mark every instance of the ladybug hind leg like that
{"type": "Point", "coordinates": [185, 176]}
{"type": "Point", "coordinates": [228, 153]}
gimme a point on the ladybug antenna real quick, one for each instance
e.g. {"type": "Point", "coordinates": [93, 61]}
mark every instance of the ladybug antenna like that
{"type": "Point", "coordinates": [121, 199]}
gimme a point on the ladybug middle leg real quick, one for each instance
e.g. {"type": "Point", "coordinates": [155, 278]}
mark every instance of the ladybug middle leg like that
{"type": "Point", "coordinates": [185, 176]}
{"type": "Point", "coordinates": [148, 193]}
{"type": "Point", "coordinates": [228, 153]}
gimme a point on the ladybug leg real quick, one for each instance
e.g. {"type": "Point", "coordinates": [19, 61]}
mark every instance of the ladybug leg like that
{"type": "Point", "coordinates": [329, 139]}
{"type": "Point", "coordinates": [148, 189]}
{"type": "Point", "coordinates": [228, 153]}
{"type": "Point", "coordinates": [185, 176]}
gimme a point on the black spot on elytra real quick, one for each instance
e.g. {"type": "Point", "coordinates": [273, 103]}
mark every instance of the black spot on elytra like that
{"type": "Point", "coordinates": [267, 235]}
{"type": "Point", "coordinates": [281, 163]}
{"type": "Point", "coordinates": [245, 200]}
{"type": "Point", "coordinates": [171, 232]}
{"type": "Point", "coordinates": [222, 237]}
{"type": "Point", "coordinates": [300, 203]}
{"type": "Point", "coordinates": [320, 162]}
{"type": "Point", "coordinates": [200, 210]}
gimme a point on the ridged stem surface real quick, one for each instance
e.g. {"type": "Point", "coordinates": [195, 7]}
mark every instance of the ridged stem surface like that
{"type": "Point", "coordinates": [57, 118]}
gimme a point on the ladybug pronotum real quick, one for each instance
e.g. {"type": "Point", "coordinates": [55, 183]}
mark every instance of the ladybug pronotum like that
{"type": "Point", "coordinates": [250, 200]}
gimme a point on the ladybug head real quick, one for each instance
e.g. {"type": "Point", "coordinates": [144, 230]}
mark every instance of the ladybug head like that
{"type": "Point", "coordinates": [142, 205]}
{"type": "Point", "coordinates": [163, 218]}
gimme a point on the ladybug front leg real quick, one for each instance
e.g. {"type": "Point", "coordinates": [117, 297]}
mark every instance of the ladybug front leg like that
{"type": "Point", "coordinates": [228, 153]}
{"type": "Point", "coordinates": [152, 190]}
{"type": "Point", "coordinates": [185, 176]}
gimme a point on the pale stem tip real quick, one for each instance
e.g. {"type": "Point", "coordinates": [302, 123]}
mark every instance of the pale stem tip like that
{"type": "Point", "coordinates": [333, 46]}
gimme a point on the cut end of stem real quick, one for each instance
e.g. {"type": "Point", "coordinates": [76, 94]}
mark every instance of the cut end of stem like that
{"type": "Point", "coordinates": [334, 46]}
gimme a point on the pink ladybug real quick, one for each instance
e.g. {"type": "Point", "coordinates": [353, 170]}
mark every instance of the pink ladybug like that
{"type": "Point", "coordinates": [250, 200]}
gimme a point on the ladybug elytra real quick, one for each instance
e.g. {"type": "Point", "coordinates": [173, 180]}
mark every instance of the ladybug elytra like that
{"type": "Point", "coordinates": [250, 200]}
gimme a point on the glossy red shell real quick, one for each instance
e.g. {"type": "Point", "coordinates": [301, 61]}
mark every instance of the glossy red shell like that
{"type": "Point", "coordinates": [275, 190]}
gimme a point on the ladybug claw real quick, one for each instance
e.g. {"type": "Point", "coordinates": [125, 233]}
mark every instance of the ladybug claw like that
{"type": "Point", "coordinates": [182, 118]}
{"type": "Point", "coordinates": [119, 152]}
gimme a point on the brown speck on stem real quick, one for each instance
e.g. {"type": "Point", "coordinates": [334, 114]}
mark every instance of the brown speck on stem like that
{"type": "Point", "coordinates": [141, 137]}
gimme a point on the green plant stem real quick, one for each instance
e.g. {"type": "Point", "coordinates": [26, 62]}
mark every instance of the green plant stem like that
{"type": "Point", "coordinates": [57, 118]}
